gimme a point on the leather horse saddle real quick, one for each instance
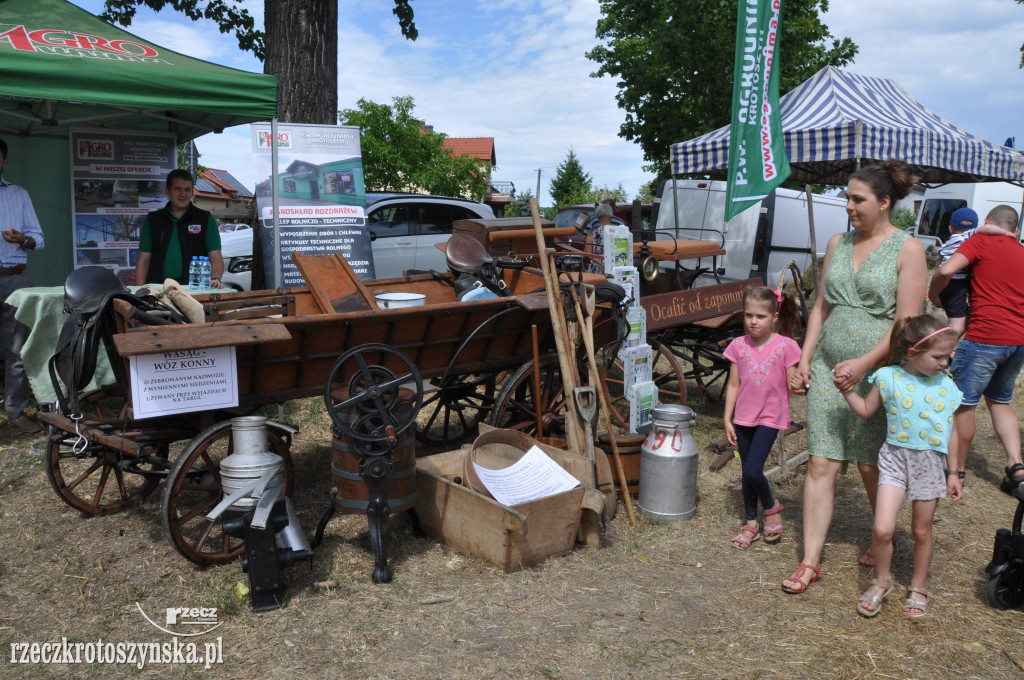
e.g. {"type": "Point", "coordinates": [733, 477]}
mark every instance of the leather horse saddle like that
{"type": "Point", "coordinates": [88, 293]}
{"type": "Point", "coordinates": [475, 268]}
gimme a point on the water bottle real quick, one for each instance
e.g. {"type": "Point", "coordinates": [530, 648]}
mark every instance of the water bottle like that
{"type": "Point", "coordinates": [205, 272]}
{"type": "Point", "coordinates": [193, 273]}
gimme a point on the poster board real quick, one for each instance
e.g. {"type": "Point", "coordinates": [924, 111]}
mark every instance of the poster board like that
{"type": "Point", "coordinates": [116, 179]}
{"type": "Point", "coordinates": [321, 198]}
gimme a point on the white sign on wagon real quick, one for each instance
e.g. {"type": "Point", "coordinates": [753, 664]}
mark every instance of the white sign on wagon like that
{"type": "Point", "coordinates": [183, 381]}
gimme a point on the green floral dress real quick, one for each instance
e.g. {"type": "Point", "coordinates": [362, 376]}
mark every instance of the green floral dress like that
{"type": "Point", "coordinates": [863, 306]}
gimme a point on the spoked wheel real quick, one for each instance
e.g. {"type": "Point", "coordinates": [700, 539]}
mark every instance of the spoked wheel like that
{"type": "Point", "coordinates": [667, 373]}
{"type": "Point", "coordinates": [1005, 590]}
{"type": "Point", "coordinates": [454, 410]}
{"type": "Point", "coordinates": [790, 279]}
{"type": "Point", "coordinates": [516, 406]}
{"type": "Point", "coordinates": [97, 479]}
{"type": "Point", "coordinates": [194, 487]}
{"type": "Point", "coordinates": [365, 409]}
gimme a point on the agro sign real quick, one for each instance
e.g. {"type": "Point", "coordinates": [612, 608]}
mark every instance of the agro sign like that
{"type": "Point", "coordinates": [74, 44]}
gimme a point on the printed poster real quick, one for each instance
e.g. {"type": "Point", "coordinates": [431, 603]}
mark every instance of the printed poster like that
{"type": "Point", "coordinates": [116, 179]}
{"type": "Point", "coordinates": [321, 197]}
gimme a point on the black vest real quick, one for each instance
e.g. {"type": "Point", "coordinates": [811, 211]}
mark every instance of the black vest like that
{"type": "Point", "coordinates": [160, 226]}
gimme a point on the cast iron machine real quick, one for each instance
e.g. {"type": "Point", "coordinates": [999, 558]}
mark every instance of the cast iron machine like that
{"type": "Point", "coordinates": [374, 447]}
{"type": "Point", "coordinates": [256, 509]}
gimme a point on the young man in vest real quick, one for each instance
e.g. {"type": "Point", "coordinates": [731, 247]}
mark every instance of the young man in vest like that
{"type": "Point", "coordinates": [172, 235]}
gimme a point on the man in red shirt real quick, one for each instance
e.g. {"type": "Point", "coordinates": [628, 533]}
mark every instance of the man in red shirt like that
{"type": "Point", "coordinates": [990, 357]}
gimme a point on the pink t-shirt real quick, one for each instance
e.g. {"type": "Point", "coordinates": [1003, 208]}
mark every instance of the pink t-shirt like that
{"type": "Point", "coordinates": [763, 398]}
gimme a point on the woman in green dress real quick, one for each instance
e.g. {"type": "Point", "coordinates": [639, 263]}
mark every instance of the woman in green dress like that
{"type": "Point", "coordinates": [871, 275]}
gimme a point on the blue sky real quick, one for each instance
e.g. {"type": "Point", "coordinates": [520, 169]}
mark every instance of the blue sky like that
{"type": "Point", "coordinates": [515, 70]}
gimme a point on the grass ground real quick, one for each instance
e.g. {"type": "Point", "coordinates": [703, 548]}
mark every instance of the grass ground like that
{"type": "Point", "coordinates": [653, 601]}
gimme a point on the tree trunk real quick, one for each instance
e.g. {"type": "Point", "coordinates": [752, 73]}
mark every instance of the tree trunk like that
{"type": "Point", "coordinates": [302, 51]}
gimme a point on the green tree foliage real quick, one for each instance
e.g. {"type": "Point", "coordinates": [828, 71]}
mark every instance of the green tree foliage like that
{"type": "Point", "coordinates": [520, 205]}
{"type": "Point", "coordinates": [1021, 65]}
{"type": "Point", "coordinates": [570, 185]}
{"type": "Point", "coordinates": [674, 62]}
{"type": "Point", "coordinates": [617, 194]}
{"type": "Point", "coordinates": [903, 218]}
{"type": "Point", "coordinates": [299, 44]}
{"type": "Point", "coordinates": [399, 155]}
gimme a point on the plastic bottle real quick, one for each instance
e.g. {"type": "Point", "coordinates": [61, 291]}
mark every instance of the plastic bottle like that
{"type": "Point", "coordinates": [193, 273]}
{"type": "Point", "coordinates": [205, 272]}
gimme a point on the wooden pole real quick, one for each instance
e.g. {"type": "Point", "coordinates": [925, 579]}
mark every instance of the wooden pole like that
{"type": "Point", "coordinates": [588, 343]}
{"type": "Point", "coordinates": [563, 344]}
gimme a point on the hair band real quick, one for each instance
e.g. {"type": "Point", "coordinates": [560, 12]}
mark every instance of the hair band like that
{"type": "Point", "coordinates": [930, 335]}
{"type": "Point", "coordinates": [776, 293]}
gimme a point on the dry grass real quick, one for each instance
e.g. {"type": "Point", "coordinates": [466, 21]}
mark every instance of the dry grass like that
{"type": "Point", "coordinates": [654, 601]}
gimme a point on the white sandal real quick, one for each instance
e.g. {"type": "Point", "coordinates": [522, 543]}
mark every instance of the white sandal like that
{"type": "Point", "coordinates": [913, 603]}
{"type": "Point", "coordinates": [872, 599]}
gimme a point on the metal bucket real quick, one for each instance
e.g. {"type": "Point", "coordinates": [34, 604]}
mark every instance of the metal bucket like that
{"type": "Point", "coordinates": [396, 300]}
{"type": "Point", "coordinates": [352, 490]}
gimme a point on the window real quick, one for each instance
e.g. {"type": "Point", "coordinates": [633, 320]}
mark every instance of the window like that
{"type": "Point", "coordinates": [435, 218]}
{"type": "Point", "coordinates": [936, 216]}
{"type": "Point", "coordinates": [392, 220]}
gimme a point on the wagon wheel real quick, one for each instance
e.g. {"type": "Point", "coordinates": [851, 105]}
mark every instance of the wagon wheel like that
{"type": "Point", "coordinates": [372, 390]}
{"type": "Point", "coordinates": [516, 404]}
{"type": "Point", "coordinates": [94, 478]}
{"type": "Point", "coordinates": [97, 479]}
{"type": "Point", "coordinates": [667, 374]}
{"type": "Point", "coordinates": [194, 487]}
{"type": "Point", "coordinates": [795, 284]}
{"type": "Point", "coordinates": [710, 370]}
{"type": "Point", "coordinates": [456, 407]}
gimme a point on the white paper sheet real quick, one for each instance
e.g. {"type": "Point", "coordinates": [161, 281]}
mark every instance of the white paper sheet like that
{"type": "Point", "coordinates": [533, 476]}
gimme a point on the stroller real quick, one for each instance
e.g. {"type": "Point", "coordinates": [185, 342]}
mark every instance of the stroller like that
{"type": "Point", "coordinates": [1006, 570]}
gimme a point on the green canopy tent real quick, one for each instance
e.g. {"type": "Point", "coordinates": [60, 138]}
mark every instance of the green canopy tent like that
{"type": "Point", "coordinates": [62, 68]}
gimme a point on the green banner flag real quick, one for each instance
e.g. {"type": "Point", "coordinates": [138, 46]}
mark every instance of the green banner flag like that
{"type": "Point", "coordinates": [757, 151]}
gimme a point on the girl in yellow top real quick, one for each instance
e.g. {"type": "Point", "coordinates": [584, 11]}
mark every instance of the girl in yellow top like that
{"type": "Point", "coordinates": [919, 399]}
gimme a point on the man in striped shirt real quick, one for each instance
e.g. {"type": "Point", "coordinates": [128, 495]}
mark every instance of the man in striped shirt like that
{"type": "Point", "coordinates": [21, 233]}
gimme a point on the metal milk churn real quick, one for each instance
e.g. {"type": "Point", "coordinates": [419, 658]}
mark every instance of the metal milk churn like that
{"type": "Point", "coordinates": [668, 466]}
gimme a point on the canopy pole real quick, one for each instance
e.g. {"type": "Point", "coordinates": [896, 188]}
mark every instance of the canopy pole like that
{"type": "Point", "coordinates": [814, 239]}
{"type": "Point", "coordinates": [274, 201]}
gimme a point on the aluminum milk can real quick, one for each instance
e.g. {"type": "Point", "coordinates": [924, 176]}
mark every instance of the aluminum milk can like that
{"type": "Point", "coordinates": [668, 466]}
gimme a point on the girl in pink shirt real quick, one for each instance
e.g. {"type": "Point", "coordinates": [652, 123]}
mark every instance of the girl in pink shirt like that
{"type": "Point", "coordinates": [757, 400]}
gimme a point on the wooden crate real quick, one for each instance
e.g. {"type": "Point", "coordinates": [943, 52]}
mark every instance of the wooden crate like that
{"type": "Point", "coordinates": [508, 538]}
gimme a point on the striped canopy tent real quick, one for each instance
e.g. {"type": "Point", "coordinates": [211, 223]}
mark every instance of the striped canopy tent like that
{"type": "Point", "coordinates": [837, 121]}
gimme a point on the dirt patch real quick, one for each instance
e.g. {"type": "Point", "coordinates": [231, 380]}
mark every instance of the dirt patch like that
{"type": "Point", "coordinates": [654, 601]}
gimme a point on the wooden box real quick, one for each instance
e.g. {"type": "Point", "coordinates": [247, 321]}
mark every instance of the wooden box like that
{"type": "Point", "coordinates": [508, 538]}
{"type": "Point", "coordinates": [510, 234]}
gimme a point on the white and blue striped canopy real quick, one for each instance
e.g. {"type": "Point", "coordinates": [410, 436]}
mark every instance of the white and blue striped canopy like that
{"type": "Point", "coordinates": [837, 119]}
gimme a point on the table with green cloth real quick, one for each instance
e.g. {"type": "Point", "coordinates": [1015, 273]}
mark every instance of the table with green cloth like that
{"type": "Point", "coordinates": [42, 310]}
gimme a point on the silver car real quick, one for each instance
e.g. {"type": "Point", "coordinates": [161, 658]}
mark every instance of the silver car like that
{"type": "Point", "coordinates": [405, 227]}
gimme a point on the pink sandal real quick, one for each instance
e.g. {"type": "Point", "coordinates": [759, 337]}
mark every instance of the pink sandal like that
{"type": "Point", "coordinates": [773, 526]}
{"type": "Point", "coordinates": [798, 576]}
{"type": "Point", "coordinates": [748, 534]}
{"type": "Point", "coordinates": [868, 558]}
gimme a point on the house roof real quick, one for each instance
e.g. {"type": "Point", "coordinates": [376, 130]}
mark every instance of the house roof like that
{"type": "Point", "coordinates": [476, 147]}
{"type": "Point", "coordinates": [214, 183]}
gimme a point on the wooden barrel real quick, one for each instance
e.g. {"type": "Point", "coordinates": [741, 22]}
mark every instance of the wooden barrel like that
{"type": "Point", "coordinates": [352, 491]}
{"type": "Point", "coordinates": [630, 445]}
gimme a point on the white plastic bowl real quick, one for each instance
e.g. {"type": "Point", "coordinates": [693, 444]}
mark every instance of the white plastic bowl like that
{"type": "Point", "coordinates": [396, 300]}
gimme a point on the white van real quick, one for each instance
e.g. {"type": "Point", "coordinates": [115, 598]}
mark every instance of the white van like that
{"type": "Point", "coordinates": [760, 240]}
{"type": "Point", "coordinates": [939, 203]}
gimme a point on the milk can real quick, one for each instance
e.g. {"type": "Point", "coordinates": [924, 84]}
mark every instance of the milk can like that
{"type": "Point", "coordinates": [668, 466]}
